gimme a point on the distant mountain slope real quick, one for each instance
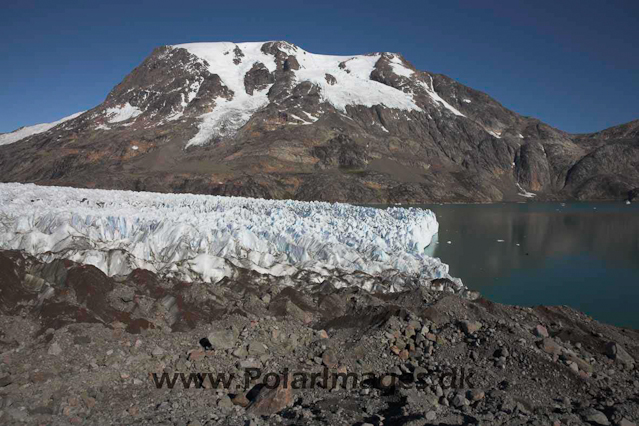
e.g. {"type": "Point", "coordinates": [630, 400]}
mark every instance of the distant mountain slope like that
{"type": "Point", "coordinates": [272, 120]}
{"type": "Point", "coordinates": [25, 132]}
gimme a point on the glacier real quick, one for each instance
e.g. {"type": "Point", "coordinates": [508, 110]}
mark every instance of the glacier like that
{"type": "Point", "coordinates": [202, 237]}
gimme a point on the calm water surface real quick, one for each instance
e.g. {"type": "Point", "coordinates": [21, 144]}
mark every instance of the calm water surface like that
{"type": "Point", "coordinates": [585, 255]}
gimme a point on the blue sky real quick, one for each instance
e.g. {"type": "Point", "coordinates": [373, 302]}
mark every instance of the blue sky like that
{"type": "Point", "coordinates": [573, 64]}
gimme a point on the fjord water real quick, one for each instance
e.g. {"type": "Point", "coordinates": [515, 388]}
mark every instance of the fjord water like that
{"type": "Point", "coordinates": [585, 255]}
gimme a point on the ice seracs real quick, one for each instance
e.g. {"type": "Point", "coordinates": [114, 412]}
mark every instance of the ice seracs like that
{"type": "Point", "coordinates": [199, 237]}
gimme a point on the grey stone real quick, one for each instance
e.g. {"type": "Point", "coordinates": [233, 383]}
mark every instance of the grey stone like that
{"type": "Point", "coordinates": [256, 348]}
{"type": "Point", "coordinates": [548, 345]}
{"type": "Point", "coordinates": [618, 353]}
{"type": "Point", "coordinates": [470, 327]}
{"type": "Point", "coordinates": [225, 402]}
{"type": "Point", "coordinates": [476, 395]}
{"type": "Point", "coordinates": [459, 401]}
{"type": "Point", "coordinates": [540, 331]}
{"type": "Point", "coordinates": [222, 339]}
{"type": "Point", "coordinates": [55, 349]}
{"type": "Point", "coordinates": [595, 417]}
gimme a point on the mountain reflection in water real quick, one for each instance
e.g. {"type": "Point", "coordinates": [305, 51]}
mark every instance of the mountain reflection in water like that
{"type": "Point", "coordinates": [585, 255]}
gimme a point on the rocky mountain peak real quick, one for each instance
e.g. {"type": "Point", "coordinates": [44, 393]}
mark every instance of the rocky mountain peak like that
{"type": "Point", "coordinates": [224, 84]}
{"type": "Point", "coordinates": [271, 119]}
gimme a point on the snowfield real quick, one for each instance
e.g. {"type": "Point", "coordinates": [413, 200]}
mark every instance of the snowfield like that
{"type": "Point", "coordinates": [352, 83]}
{"type": "Point", "coordinates": [200, 237]}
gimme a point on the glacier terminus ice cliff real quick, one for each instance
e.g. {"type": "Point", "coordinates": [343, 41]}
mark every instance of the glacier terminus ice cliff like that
{"type": "Point", "coordinates": [201, 237]}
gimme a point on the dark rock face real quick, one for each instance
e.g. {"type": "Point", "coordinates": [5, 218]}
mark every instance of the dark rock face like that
{"type": "Point", "coordinates": [610, 169]}
{"type": "Point", "coordinates": [533, 169]}
{"type": "Point", "coordinates": [258, 78]}
{"type": "Point", "coordinates": [455, 145]}
{"type": "Point", "coordinates": [340, 151]}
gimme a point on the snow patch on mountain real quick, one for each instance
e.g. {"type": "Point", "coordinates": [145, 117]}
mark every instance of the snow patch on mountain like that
{"type": "Point", "coordinates": [231, 62]}
{"type": "Point", "coordinates": [430, 89]}
{"type": "Point", "coordinates": [190, 95]}
{"type": "Point", "coordinates": [228, 116]}
{"type": "Point", "coordinates": [523, 193]}
{"type": "Point", "coordinates": [399, 68]}
{"type": "Point", "coordinates": [353, 84]}
{"type": "Point", "coordinates": [122, 113]}
{"type": "Point", "coordinates": [205, 237]}
{"type": "Point", "coordinates": [24, 132]}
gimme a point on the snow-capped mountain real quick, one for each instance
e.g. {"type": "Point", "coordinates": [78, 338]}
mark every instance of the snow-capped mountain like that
{"type": "Point", "coordinates": [270, 119]}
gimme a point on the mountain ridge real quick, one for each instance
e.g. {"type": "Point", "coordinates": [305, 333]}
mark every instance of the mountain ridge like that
{"type": "Point", "coordinates": [274, 121]}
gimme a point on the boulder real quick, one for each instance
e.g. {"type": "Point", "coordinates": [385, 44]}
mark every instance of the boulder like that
{"type": "Point", "coordinates": [55, 349]}
{"type": "Point", "coordinates": [329, 359]}
{"type": "Point", "coordinates": [241, 400]}
{"type": "Point", "coordinates": [273, 400]}
{"type": "Point", "coordinates": [540, 331]}
{"type": "Point", "coordinates": [475, 395]}
{"type": "Point", "coordinates": [617, 352]}
{"type": "Point", "coordinates": [222, 339]}
{"type": "Point", "coordinates": [256, 348]}
{"type": "Point", "coordinates": [549, 346]}
{"type": "Point", "coordinates": [595, 417]}
{"type": "Point", "coordinates": [470, 327]}
{"type": "Point", "coordinates": [583, 365]}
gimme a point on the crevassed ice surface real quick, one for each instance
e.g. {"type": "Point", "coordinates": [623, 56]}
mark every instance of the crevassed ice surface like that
{"type": "Point", "coordinates": [204, 237]}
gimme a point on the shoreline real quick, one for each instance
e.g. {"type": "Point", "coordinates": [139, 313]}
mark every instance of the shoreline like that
{"type": "Point", "coordinates": [524, 200]}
